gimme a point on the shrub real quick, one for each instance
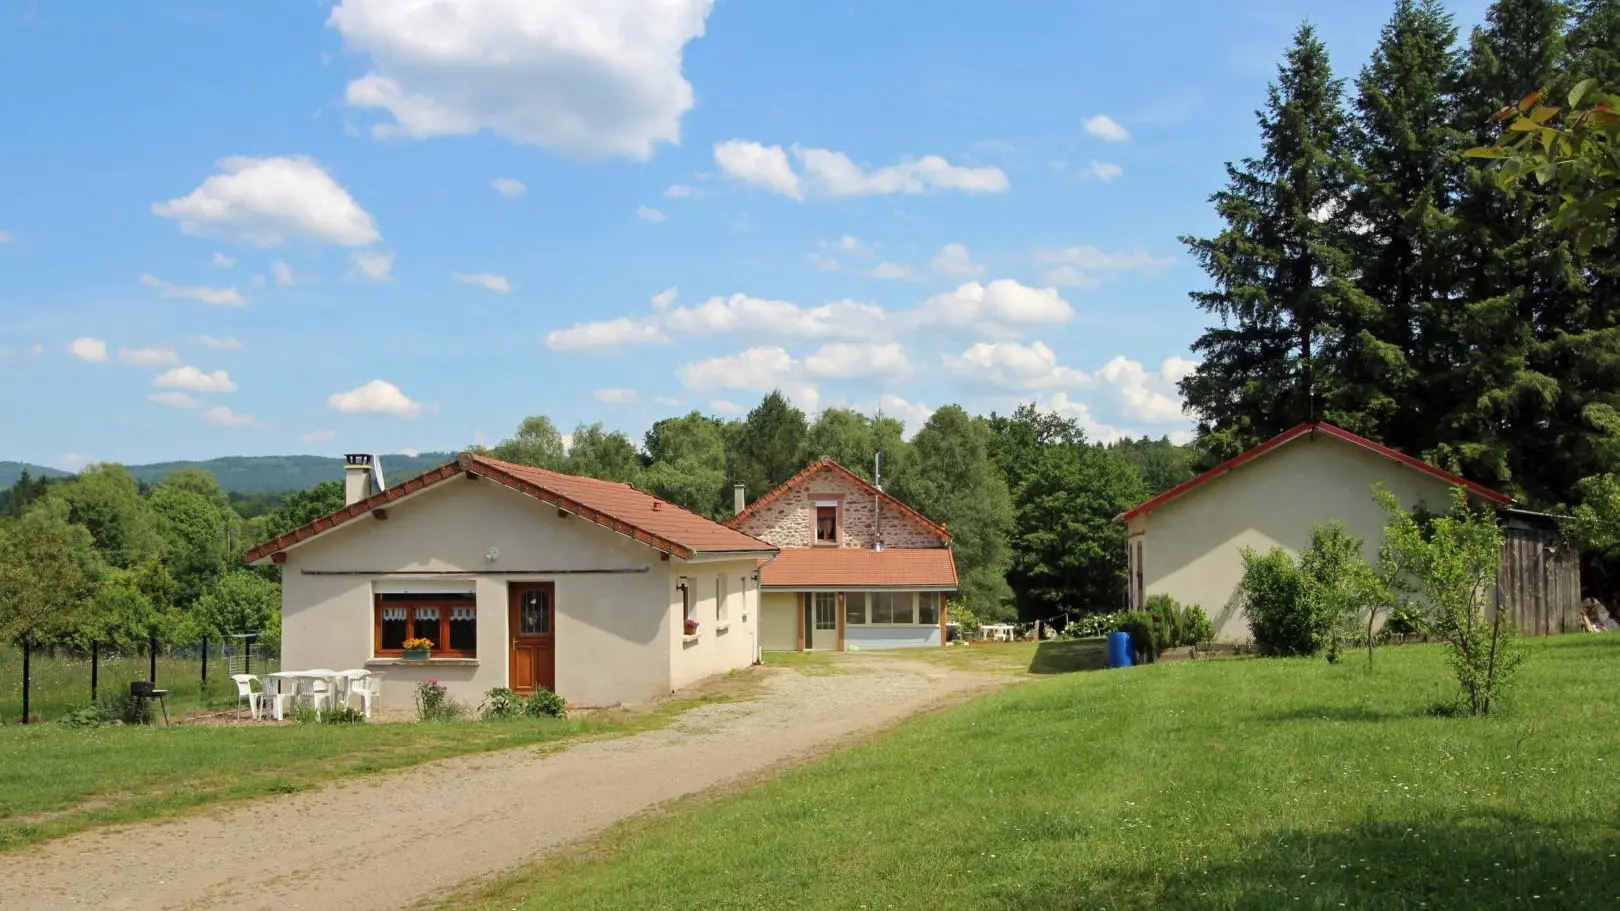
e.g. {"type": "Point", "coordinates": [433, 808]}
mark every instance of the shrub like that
{"type": "Point", "coordinates": [1196, 626]}
{"type": "Point", "coordinates": [1451, 565]}
{"type": "Point", "coordinates": [501, 703]}
{"type": "Point", "coordinates": [1273, 599]}
{"type": "Point", "coordinates": [86, 717]}
{"type": "Point", "coordinates": [543, 703]}
{"type": "Point", "coordinates": [1090, 626]}
{"type": "Point", "coordinates": [120, 707]}
{"type": "Point", "coordinates": [433, 702]}
{"type": "Point", "coordinates": [343, 714]}
{"type": "Point", "coordinates": [1406, 621]}
{"type": "Point", "coordinates": [1146, 640]}
{"type": "Point", "coordinates": [304, 713]}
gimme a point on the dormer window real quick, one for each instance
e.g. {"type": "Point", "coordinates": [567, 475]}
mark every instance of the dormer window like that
{"type": "Point", "coordinates": [826, 522]}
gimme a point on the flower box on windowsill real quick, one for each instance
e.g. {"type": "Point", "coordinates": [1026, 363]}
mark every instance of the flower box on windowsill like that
{"type": "Point", "coordinates": [431, 662]}
{"type": "Point", "coordinates": [418, 654]}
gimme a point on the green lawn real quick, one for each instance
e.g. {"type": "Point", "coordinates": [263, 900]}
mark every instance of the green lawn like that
{"type": "Point", "coordinates": [63, 684]}
{"type": "Point", "coordinates": [1243, 783]}
{"type": "Point", "coordinates": [56, 780]}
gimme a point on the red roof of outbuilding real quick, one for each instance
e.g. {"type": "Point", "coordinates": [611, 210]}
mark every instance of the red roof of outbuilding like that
{"type": "Point", "coordinates": [610, 504]}
{"type": "Point", "coordinates": [858, 567]}
{"type": "Point", "coordinates": [1308, 429]}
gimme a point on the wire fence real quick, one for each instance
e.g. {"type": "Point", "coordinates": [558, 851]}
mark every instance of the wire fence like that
{"type": "Point", "coordinates": [61, 681]}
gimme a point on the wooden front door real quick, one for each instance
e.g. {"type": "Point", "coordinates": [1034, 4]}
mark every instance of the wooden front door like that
{"type": "Point", "coordinates": [534, 638]}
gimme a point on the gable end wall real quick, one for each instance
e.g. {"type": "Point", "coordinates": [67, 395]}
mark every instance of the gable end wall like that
{"type": "Point", "coordinates": [789, 521]}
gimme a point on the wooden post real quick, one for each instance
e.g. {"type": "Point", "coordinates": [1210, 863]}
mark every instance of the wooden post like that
{"type": "Point", "coordinates": [27, 649]}
{"type": "Point", "coordinates": [205, 662]}
{"type": "Point", "coordinates": [840, 621]}
{"type": "Point", "coordinates": [247, 655]}
{"type": "Point", "coordinates": [152, 655]}
{"type": "Point", "coordinates": [95, 668]}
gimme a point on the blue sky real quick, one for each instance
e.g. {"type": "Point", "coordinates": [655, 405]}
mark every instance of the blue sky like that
{"type": "Point", "coordinates": [300, 226]}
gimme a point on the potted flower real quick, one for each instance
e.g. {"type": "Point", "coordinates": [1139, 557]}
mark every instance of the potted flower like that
{"type": "Point", "coordinates": [691, 626]}
{"type": "Point", "coordinates": [418, 649]}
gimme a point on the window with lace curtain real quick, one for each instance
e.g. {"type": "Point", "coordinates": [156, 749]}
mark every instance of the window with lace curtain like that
{"type": "Point", "coordinates": [449, 619]}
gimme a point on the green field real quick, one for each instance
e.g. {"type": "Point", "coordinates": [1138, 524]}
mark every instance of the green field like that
{"type": "Point", "coordinates": [62, 684]}
{"type": "Point", "coordinates": [1241, 783]}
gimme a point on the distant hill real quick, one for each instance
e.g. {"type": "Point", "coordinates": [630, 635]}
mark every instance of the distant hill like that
{"type": "Point", "coordinates": [257, 474]}
{"type": "Point", "coordinates": [10, 471]}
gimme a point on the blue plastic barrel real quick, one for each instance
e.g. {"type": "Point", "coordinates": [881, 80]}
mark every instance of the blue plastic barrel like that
{"type": "Point", "coordinates": [1119, 650]}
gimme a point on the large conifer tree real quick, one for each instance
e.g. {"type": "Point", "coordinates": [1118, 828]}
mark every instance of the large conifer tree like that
{"type": "Point", "coordinates": [1406, 143]}
{"type": "Point", "coordinates": [1281, 269]}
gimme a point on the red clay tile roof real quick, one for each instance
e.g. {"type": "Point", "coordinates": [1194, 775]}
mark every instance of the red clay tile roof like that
{"type": "Point", "coordinates": [1307, 429]}
{"type": "Point", "coordinates": [857, 567]}
{"type": "Point", "coordinates": [619, 507]}
{"type": "Point", "coordinates": [814, 467]}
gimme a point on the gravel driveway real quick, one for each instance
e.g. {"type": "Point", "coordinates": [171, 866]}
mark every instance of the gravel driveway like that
{"type": "Point", "coordinates": [357, 845]}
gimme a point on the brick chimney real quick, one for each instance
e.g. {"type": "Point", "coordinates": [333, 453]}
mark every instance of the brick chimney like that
{"type": "Point", "coordinates": [356, 478]}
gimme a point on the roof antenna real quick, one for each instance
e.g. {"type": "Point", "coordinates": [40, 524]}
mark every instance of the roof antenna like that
{"type": "Point", "coordinates": [877, 501]}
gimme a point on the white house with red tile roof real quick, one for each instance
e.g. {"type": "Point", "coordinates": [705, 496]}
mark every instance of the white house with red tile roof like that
{"type": "Point", "coordinates": [856, 568]}
{"type": "Point", "coordinates": [1188, 541]}
{"type": "Point", "coordinates": [521, 578]}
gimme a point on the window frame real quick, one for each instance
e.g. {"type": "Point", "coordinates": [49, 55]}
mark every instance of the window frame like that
{"type": "Point", "coordinates": [850, 603]}
{"type": "Point", "coordinates": [684, 584]}
{"type": "Point", "coordinates": [872, 610]}
{"type": "Point", "coordinates": [721, 596]}
{"type": "Point", "coordinates": [445, 602]}
{"type": "Point", "coordinates": [834, 502]}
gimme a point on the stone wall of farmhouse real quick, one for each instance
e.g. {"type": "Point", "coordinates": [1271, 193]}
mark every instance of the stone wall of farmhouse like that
{"type": "Point", "coordinates": [789, 520]}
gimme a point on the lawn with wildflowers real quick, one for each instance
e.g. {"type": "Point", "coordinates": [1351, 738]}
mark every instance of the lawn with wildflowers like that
{"type": "Point", "coordinates": [1241, 783]}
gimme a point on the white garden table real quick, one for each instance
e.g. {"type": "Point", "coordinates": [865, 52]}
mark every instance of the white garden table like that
{"type": "Point", "coordinates": [331, 677]}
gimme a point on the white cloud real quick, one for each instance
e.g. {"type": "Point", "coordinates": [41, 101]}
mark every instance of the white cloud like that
{"type": "Point", "coordinates": [849, 243]}
{"type": "Point", "coordinates": [993, 308]}
{"type": "Point", "coordinates": [617, 396]}
{"type": "Point", "coordinates": [1105, 171]}
{"type": "Point", "coordinates": [843, 319]}
{"type": "Point", "coordinates": [913, 414]}
{"type": "Point", "coordinates": [681, 191]}
{"type": "Point", "coordinates": [215, 297]}
{"type": "Point", "coordinates": [668, 401]}
{"type": "Point", "coordinates": [606, 336]}
{"type": "Point", "coordinates": [664, 298]}
{"type": "Point", "coordinates": [954, 261]}
{"type": "Point", "coordinates": [510, 187]}
{"type": "Point", "coordinates": [375, 265]}
{"type": "Point", "coordinates": [375, 397]}
{"type": "Point", "coordinates": [222, 261]}
{"type": "Point", "coordinates": [844, 360]}
{"type": "Point", "coordinates": [1015, 366]}
{"type": "Point", "coordinates": [147, 357]}
{"type": "Point", "coordinates": [1078, 267]}
{"type": "Point", "coordinates": [836, 175]}
{"type": "Point", "coordinates": [221, 416]}
{"type": "Point", "coordinates": [283, 273]}
{"type": "Point", "coordinates": [1105, 127]}
{"type": "Point", "coordinates": [647, 213]}
{"type": "Point", "coordinates": [891, 271]}
{"type": "Point", "coordinates": [410, 452]}
{"type": "Point", "coordinates": [36, 349]}
{"type": "Point", "coordinates": [317, 436]}
{"type": "Point", "coordinates": [591, 79]}
{"type": "Point", "coordinates": [176, 400]}
{"type": "Point", "coordinates": [496, 283]}
{"type": "Point", "coordinates": [1096, 431]}
{"type": "Point", "coordinates": [1150, 397]}
{"type": "Point", "coordinates": [73, 459]}
{"type": "Point", "coordinates": [5, 237]}
{"type": "Point", "coordinates": [266, 201]}
{"type": "Point", "coordinates": [757, 369]}
{"type": "Point", "coordinates": [758, 165]}
{"type": "Point", "coordinates": [722, 406]}
{"type": "Point", "coordinates": [93, 350]}
{"type": "Point", "coordinates": [823, 262]}
{"type": "Point", "coordinates": [209, 341]}
{"type": "Point", "coordinates": [191, 379]}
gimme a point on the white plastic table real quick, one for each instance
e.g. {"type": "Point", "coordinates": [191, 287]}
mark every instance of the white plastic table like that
{"type": "Point", "coordinates": [332, 678]}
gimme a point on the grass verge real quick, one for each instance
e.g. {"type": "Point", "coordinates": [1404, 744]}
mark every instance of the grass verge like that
{"type": "Point", "coordinates": [61, 684]}
{"type": "Point", "coordinates": [55, 780]}
{"type": "Point", "coordinates": [1244, 783]}
{"type": "Point", "coordinates": [1030, 658]}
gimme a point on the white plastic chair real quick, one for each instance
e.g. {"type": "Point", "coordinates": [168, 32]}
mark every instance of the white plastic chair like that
{"type": "Point", "coordinates": [349, 683]}
{"type": "Point", "coordinates": [281, 694]}
{"type": "Point", "coordinates": [369, 691]}
{"type": "Point", "coordinates": [317, 692]}
{"type": "Point", "coordinates": [245, 693]}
